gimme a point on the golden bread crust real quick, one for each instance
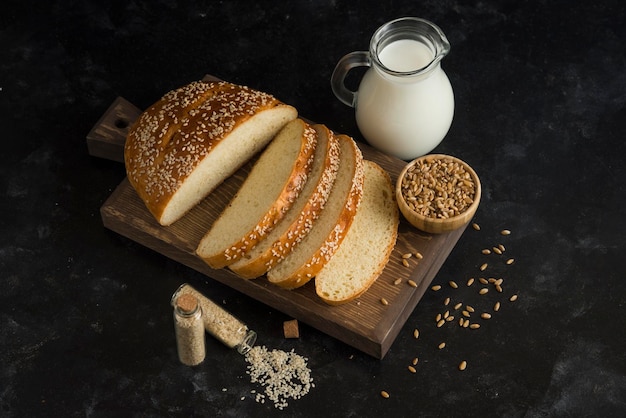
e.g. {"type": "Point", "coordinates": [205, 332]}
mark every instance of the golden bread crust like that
{"type": "Point", "coordinates": [172, 137]}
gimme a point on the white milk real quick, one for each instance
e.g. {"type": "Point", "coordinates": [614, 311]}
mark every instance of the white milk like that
{"type": "Point", "coordinates": [405, 55]}
{"type": "Point", "coordinates": [405, 116]}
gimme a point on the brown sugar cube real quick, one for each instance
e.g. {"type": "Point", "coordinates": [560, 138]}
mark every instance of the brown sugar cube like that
{"type": "Point", "coordinates": [290, 329]}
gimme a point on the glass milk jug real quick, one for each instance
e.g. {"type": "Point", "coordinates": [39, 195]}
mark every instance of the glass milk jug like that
{"type": "Point", "coordinates": [404, 104]}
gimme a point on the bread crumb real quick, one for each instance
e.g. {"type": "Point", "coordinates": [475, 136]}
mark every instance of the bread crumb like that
{"type": "Point", "coordinates": [291, 329]}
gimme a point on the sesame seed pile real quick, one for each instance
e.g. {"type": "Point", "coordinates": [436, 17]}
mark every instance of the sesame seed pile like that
{"type": "Point", "coordinates": [283, 375]}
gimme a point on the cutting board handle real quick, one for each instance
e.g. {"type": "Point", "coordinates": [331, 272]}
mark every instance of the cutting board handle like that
{"type": "Point", "coordinates": [107, 137]}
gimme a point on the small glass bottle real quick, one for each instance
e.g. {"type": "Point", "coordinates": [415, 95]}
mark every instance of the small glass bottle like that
{"type": "Point", "coordinates": [189, 327]}
{"type": "Point", "coordinates": [219, 323]}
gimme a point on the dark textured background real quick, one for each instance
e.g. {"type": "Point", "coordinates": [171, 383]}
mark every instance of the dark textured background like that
{"type": "Point", "coordinates": [540, 86]}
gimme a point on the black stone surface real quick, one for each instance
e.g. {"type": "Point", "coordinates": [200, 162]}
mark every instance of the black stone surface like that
{"type": "Point", "coordinates": [540, 87]}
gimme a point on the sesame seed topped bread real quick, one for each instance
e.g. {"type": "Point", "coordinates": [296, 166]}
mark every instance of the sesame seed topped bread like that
{"type": "Point", "coordinates": [319, 245]}
{"type": "Point", "coordinates": [273, 185]}
{"type": "Point", "coordinates": [193, 138]}
{"type": "Point", "coordinates": [299, 219]}
{"type": "Point", "coordinates": [365, 251]}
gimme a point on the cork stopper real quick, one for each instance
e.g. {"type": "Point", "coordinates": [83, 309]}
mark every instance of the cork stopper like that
{"type": "Point", "coordinates": [187, 303]}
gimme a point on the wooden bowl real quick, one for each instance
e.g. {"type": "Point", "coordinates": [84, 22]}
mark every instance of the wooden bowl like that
{"type": "Point", "coordinates": [431, 192]}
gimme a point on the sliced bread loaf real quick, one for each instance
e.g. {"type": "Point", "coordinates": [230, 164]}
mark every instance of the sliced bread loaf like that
{"type": "Point", "coordinates": [271, 188]}
{"type": "Point", "coordinates": [299, 219]}
{"type": "Point", "coordinates": [365, 251]}
{"type": "Point", "coordinates": [319, 245]}
{"type": "Point", "coordinates": [193, 138]}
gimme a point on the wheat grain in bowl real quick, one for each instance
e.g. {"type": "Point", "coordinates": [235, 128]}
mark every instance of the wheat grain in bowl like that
{"type": "Point", "coordinates": [438, 193]}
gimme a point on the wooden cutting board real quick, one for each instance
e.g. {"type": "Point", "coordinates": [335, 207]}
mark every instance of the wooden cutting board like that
{"type": "Point", "coordinates": [366, 324]}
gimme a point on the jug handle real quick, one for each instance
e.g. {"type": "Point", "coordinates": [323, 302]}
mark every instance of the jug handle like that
{"type": "Point", "coordinates": [345, 64]}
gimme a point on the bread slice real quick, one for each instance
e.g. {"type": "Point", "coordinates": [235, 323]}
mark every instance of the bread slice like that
{"type": "Point", "coordinates": [271, 188]}
{"type": "Point", "coordinates": [298, 221]}
{"type": "Point", "coordinates": [319, 245]}
{"type": "Point", "coordinates": [193, 138]}
{"type": "Point", "coordinates": [365, 251]}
